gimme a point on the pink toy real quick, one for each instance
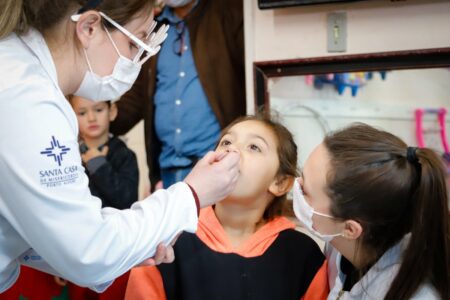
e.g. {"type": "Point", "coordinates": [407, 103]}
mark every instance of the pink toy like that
{"type": "Point", "coordinates": [441, 113]}
{"type": "Point", "coordinates": [309, 79]}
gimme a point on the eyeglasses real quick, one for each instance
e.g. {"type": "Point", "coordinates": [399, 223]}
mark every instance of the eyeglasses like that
{"type": "Point", "coordinates": [154, 38]}
{"type": "Point", "coordinates": [178, 43]}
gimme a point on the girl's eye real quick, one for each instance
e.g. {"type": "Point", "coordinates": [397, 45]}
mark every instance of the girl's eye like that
{"type": "Point", "coordinates": [81, 113]}
{"type": "Point", "coordinates": [225, 143]}
{"type": "Point", "coordinates": [99, 110]}
{"type": "Point", "coordinates": [255, 148]}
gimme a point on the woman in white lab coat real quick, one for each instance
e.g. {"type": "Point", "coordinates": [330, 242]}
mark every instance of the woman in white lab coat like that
{"type": "Point", "coordinates": [382, 209]}
{"type": "Point", "coordinates": [48, 218]}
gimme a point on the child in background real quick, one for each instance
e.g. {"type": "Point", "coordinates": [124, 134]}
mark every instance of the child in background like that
{"type": "Point", "coordinates": [244, 248]}
{"type": "Point", "coordinates": [112, 170]}
{"type": "Point", "coordinates": [111, 167]}
{"type": "Point", "coordinates": [382, 208]}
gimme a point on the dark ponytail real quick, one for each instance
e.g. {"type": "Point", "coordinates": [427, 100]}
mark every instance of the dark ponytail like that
{"type": "Point", "coordinates": [399, 191]}
{"type": "Point", "coordinates": [427, 256]}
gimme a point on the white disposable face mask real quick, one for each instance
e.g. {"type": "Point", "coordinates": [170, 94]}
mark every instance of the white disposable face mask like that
{"type": "Point", "coordinates": [125, 72]}
{"type": "Point", "coordinates": [176, 3]}
{"type": "Point", "coordinates": [304, 212]}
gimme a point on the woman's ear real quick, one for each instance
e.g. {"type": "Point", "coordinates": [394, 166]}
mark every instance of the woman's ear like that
{"type": "Point", "coordinates": [113, 112]}
{"type": "Point", "coordinates": [281, 185]}
{"type": "Point", "coordinates": [352, 230]}
{"type": "Point", "coordinates": [87, 27]}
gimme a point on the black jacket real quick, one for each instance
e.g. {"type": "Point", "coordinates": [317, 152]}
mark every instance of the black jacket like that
{"type": "Point", "coordinates": [116, 180]}
{"type": "Point", "coordinates": [284, 271]}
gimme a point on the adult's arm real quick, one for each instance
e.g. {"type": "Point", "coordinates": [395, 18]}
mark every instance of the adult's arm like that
{"type": "Point", "coordinates": [46, 199]}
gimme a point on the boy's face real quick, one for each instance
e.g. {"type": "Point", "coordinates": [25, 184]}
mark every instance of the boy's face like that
{"type": "Point", "coordinates": [257, 145]}
{"type": "Point", "coordinates": [93, 117]}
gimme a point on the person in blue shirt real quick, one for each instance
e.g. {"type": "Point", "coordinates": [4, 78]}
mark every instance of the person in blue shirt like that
{"type": "Point", "coordinates": [192, 89]}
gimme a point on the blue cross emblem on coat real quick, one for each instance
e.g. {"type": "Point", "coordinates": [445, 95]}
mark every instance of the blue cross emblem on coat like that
{"type": "Point", "coordinates": [56, 150]}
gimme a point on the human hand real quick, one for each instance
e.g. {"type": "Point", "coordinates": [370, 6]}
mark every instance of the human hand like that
{"type": "Point", "coordinates": [164, 254]}
{"type": "Point", "coordinates": [94, 152]}
{"type": "Point", "coordinates": [214, 176]}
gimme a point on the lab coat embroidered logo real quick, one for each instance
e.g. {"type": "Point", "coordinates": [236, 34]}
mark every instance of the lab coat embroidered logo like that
{"type": "Point", "coordinates": [60, 174]}
{"type": "Point", "coordinates": [56, 150]}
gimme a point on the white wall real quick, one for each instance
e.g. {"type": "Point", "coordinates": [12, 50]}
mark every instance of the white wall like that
{"type": "Point", "coordinates": [135, 141]}
{"type": "Point", "coordinates": [388, 104]}
{"type": "Point", "coordinates": [372, 26]}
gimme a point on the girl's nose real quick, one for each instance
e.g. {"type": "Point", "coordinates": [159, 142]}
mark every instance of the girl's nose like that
{"type": "Point", "coordinates": [232, 148]}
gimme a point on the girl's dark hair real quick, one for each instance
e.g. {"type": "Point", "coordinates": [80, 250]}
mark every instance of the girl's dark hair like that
{"type": "Point", "coordinates": [372, 181]}
{"type": "Point", "coordinates": [287, 156]}
{"type": "Point", "coordinates": [19, 15]}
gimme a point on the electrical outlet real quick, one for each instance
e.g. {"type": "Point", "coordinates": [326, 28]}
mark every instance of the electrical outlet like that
{"type": "Point", "coordinates": [337, 32]}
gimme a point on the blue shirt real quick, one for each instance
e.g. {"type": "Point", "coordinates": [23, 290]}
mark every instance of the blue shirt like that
{"type": "Point", "coordinates": [184, 121]}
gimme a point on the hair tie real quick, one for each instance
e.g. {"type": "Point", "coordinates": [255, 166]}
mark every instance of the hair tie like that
{"type": "Point", "coordinates": [90, 4]}
{"type": "Point", "coordinates": [411, 155]}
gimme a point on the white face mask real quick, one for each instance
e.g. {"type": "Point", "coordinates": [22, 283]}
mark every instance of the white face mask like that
{"type": "Point", "coordinates": [176, 3]}
{"type": "Point", "coordinates": [125, 72]}
{"type": "Point", "coordinates": [304, 212]}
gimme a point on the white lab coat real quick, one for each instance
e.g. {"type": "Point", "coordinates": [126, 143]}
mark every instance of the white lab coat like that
{"type": "Point", "coordinates": [48, 217]}
{"type": "Point", "coordinates": [376, 282]}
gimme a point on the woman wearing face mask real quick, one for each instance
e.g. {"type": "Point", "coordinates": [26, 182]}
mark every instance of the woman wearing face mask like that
{"type": "Point", "coordinates": [48, 218]}
{"type": "Point", "coordinates": [382, 207]}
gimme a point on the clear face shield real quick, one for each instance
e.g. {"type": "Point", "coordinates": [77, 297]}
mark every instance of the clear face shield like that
{"type": "Point", "coordinates": [125, 71]}
{"type": "Point", "coordinates": [148, 46]}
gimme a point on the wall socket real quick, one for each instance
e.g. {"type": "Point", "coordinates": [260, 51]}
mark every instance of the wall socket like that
{"type": "Point", "coordinates": [337, 32]}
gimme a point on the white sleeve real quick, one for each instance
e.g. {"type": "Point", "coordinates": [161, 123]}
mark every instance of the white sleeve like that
{"type": "Point", "coordinates": [33, 260]}
{"type": "Point", "coordinates": [46, 199]}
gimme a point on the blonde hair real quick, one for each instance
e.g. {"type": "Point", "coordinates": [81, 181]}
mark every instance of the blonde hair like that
{"type": "Point", "coordinates": [19, 15]}
{"type": "Point", "coordinates": [11, 16]}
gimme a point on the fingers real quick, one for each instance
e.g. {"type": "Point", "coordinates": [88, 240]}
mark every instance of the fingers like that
{"type": "Point", "coordinates": [147, 262]}
{"type": "Point", "coordinates": [160, 254]}
{"type": "Point", "coordinates": [220, 156]}
{"type": "Point", "coordinates": [170, 255]}
{"type": "Point", "coordinates": [163, 255]}
{"type": "Point", "coordinates": [230, 161]}
{"type": "Point", "coordinates": [216, 156]}
{"type": "Point", "coordinates": [211, 157]}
